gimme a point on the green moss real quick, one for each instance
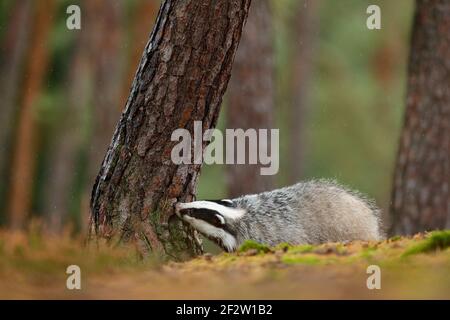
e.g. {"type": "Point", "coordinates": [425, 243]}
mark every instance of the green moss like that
{"type": "Point", "coordinates": [368, 253]}
{"type": "Point", "coordinates": [154, 219]}
{"type": "Point", "coordinates": [283, 246]}
{"type": "Point", "coordinates": [250, 244]}
{"type": "Point", "coordinates": [299, 259]}
{"type": "Point", "coordinates": [305, 248]}
{"type": "Point", "coordinates": [437, 240]}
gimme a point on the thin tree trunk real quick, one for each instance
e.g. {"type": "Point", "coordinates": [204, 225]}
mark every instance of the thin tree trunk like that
{"type": "Point", "coordinates": [181, 78]}
{"type": "Point", "coordinates": [421, 196]}
{"type": "Point", "coordinates": [303, 32]}
{"type": "Point", "coordinates": [12, 55]}
{"type": "Point", "coordinates": [107, 78]}
{"type": "Point", "coordinates": [67, 142]}
{"type": "Point", "coordinates": [96, 64]}
{"type": "Point", "coordinates": [24, 154]}
{"type": "Point", "coordinates": [250, 99]}
{"type": "Point", "coordinates": [105, 51]}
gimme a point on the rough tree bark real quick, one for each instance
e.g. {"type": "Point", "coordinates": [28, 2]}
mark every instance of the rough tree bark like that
{"type": "Point", "coordinates": [24, 153]}
{"type": "Point", "coordinates": [250, 97]}
{"type": "Point", "coordinates": [12, 55]}
{"type": "Point", "coordinates": [421, 196]}
{"type": "Point", "coordinates": [181, 78]}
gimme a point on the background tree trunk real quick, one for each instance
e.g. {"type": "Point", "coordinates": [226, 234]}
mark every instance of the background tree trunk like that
{"type": "Point", "coordinates": [12, 59]}
{"type": "Point", "coordinates": [181, 78]}
{"type": "Point", "coordinates": [95, 64]}
{"type": "Point", "coordinates": [303, 28]}
{"type": "Point", "coordinates": [421, 196]}
{"type": "Point", "coordinates": [67, 141]}
{"type": "Point", "coordinates": [107, 74]}
{"type": "Point", "coordinates": [107, 79]}
{"type": "Point", "coordinates": [24, 154]}
{"type": "Point", "coordinates": [250, 98]}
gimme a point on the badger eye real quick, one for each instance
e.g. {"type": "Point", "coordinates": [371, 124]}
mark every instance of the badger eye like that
{"type": "Point", "coordinates": [220, 219]}
{"type": "Point", "coordinates": [216, 220]}
{"type": "Point", "coordinates": [186, 211]}
{"type": "Point", "coordinates": [210, 216]}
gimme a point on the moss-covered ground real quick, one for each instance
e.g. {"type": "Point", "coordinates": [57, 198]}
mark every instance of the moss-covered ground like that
{"type": "Point", "coordinates": [34, 266]}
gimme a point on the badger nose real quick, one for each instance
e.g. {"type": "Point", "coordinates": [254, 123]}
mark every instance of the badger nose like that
{"type": "Point", "coordinates": [177, 208]}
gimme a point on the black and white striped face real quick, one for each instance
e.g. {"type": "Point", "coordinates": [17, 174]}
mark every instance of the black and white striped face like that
{"type": "Point", "coordinates": [213, 219]}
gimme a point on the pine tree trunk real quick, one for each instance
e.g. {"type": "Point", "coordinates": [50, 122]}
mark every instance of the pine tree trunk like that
{"type": "Point", "coordinates": [107, 78]}
{"type": "Point", "coordinates": [95, 63]}
{"type": "Point", "coordinates": [67, 142]}
{"type": "Point", "coordinates": [250, 98]}
{"type": "Point", "coordinates": [181, 78]}
{"type": "Point", "coordinates": [24, 157]}
{"type": "Point", "coordinates": [14, 46]}
{"type": "Point", "coordinates": [421, 196]}
{"type": "Point", "coordinates": [303, 32]}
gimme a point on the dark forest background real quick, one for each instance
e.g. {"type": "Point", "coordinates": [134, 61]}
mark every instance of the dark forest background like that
{"type": "Point", "coordinates": [334, 88]}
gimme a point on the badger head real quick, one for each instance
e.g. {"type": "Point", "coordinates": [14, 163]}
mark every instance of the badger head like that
{"type": "Point", "coordinates": [214, 219]}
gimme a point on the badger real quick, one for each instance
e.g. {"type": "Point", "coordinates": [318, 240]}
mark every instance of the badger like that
{"type": "Point", "coordinates": [311, 212]}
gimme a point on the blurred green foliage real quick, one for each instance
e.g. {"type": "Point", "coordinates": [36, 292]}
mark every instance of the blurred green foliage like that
{"type": "Point", "coordinates": [357, 96]}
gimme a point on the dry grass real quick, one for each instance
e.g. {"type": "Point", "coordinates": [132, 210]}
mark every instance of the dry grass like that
{"type": "Point", "coordinates": [33, 266]}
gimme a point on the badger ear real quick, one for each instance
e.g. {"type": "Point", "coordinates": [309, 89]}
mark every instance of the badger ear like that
{"type": "Point", "coordinates": [224, 202]}
{"type": "Point", "coordinates": [228, 203]}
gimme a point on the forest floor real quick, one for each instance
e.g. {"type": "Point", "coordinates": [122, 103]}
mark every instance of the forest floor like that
{"type": "Point", "coordinates": [34, 266]}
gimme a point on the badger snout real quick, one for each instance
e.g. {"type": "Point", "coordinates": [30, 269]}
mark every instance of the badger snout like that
{"type": "Point", "coordinates": [179, 209]}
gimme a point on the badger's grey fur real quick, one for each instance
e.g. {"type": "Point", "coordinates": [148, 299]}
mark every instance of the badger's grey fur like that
{"type": "Point", "coordinates": [305, 213]}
